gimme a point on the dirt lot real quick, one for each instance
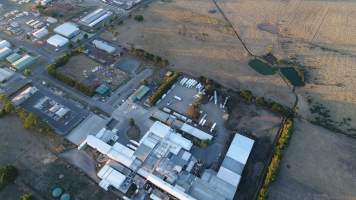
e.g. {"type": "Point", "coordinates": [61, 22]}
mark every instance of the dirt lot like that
{"type": "Point", "coordinates": [262, 126]}
{"type": "Point", "coordinates": [198, 42]}
{"type": "Point", "coordinates": [39, 167]}
{"type": "Point", "coordinates": [317, 165]}
{"type": "Point", "coordinates": [319, 34]}
{"type": "Point", "coordinates": [93, 74]}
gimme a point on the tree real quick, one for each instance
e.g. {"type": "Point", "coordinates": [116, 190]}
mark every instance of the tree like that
{"type": "Point", "coordinates": [27, 72]}
{"type": "Point", "coordinates": [139, 18]}
{"type": "Point", "coordinates": [132, 122]}
{"type": "Point", "coordinates": [8, 107]}
{"type": "Point", "coordinates": [8, 175]}
{"type": "Point", "coordinates": [30, 121]}
{"type": "Point", "coordinates": [193, 111]}
{"type": "Point", "coordinates": [86, 36]}
{"type": "Point", "coordinates": [27, 196]}
{"type": "Point", "coordinates": [247, 95]}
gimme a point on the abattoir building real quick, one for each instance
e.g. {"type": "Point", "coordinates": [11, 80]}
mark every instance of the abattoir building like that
{"type": "Point", "coordinates": [163, 158]}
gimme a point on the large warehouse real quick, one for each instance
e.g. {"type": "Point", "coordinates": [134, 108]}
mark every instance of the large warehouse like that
{"type": "Point", "coordinates": [67, 30]}
{"type": "Point", "coordinates": [57, 41]}
{"type": "Point", "coordinates": [96, 17]}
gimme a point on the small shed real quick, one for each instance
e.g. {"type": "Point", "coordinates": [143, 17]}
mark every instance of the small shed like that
{"type": "Point", "coordinates": [102, 90]}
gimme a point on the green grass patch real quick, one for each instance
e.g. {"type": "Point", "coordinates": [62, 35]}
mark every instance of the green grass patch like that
{"type": "Point", "coordinates": [262, 67]}
{"type": "Point", "coordinates": [292, 75]}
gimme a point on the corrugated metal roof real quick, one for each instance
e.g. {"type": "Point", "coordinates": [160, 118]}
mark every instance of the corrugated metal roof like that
{"type": "Point", "coordinates": [13, 57]}
{"type": "Point", "coordinates": [4, 52]}
{"type": "Point", "coordinates": [23, 62]}
{"type": "Point", "coordinates": [67, 29]}
{"type": "Point", "coordinates": [240, 148]}
{"type": "Point", "coordinates": [196, 132]}
{"type": "Point", "coordinates": [57, 40]}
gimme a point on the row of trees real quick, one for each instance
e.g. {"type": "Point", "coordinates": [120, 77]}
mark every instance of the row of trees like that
{"type": "Point", "coordinates": [284, 136]}
{"type": "Point", "coordinates": [148, 56]}
{"type": "Point", "coordinates": [269, 104]}
{"type": "Point", "coordinates": [163, 88]}
{"type": "Point", "coordinates": [52, 70]}
{"type": "Point", "coordinates": [32, 122]}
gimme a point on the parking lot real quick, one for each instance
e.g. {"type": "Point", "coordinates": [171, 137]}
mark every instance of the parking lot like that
{"type": "Point", "coordinates": [178, 98]}
{"type": "Point", "coordinates": [41, 105]}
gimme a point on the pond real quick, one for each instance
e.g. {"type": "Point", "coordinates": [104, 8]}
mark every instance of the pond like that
{"type": "Point", "coordinates": [292, 75]}
{"type": "Point", "coordinates": [262, 67]}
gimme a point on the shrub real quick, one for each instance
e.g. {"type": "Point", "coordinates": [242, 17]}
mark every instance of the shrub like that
{"type": "Point", "coordinates": [139, 18]}
{"type": "Point", "coordinates": [30, 121]}
{"type": "Point", "coordinates": [27, 196]}
{"type": "Point", "coordinates": [8, 175]}
{"type": "Point", "coordinates": [247, 95]}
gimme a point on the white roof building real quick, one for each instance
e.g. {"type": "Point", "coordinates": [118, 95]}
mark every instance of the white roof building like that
{"type": "Point", "coordinates": [5, 74]}
{"type": "Point", "coordinates": [4, 43]}
{"type": "Point", "coordinates": [235, 160]}
{"type": "Point", "coordinates": [51, 20]}
{"type": "Point", "coordinates": [40, 33]}
{"type": "Point", "coordinates": [67, 30]}
{"type": "Point", "coordinates": [57, 41]}
{"type": "Point", "coordinates": [95, 17]}
{"type": "Point", "coordinates": [104, 46]}
{"type": "Point", "coordinates": [110, 177]}
{"type": "Point", "coordinates": [196, 132]}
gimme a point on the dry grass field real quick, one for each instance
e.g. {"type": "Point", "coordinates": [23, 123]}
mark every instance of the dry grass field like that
{"type": "Point", "coordinates": [198, 42]}
{"type": "Point", "coordinates": [326, 174]}
{"type": "Point", "coordinates": [320, 35]}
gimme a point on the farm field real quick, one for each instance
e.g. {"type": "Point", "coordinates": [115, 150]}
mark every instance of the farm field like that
{"type": "Point", "coordinates": [303, 175]}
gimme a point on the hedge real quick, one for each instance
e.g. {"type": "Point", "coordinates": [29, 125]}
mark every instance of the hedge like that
{"type": "Point", "coordinates": [148, 56]}
{"type": "Point", "coordinates": [285, 133]}
{"type": "Point", "coordinates": [163, 88]}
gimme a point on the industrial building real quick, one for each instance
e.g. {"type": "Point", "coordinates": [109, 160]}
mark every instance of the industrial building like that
{"type": "Point", "coordinates": [162, 158]}
{"type": "Point", "coordinates": [140, 93]}
{"type": "Point", "coordinates": [96, 18]}
{"type": "Point", "coordinates": [13, 57]}
{"type": "Point", "coordinates": [104, 46]}
{"type": "Point", "coordinates": [40, 33]}
{"type": "Point", "coordinates": [68, 30]}
{"type": "Point", "coordinates": [4, 52]}
{"type": "Point", "coordinates": [5, 43]}
{"type": "Point", "coordinates": [23, 63]}
{"type": "Point", "coordinates": [57, 41]}
{"type": "Point", "coordinates": [5, 74]}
